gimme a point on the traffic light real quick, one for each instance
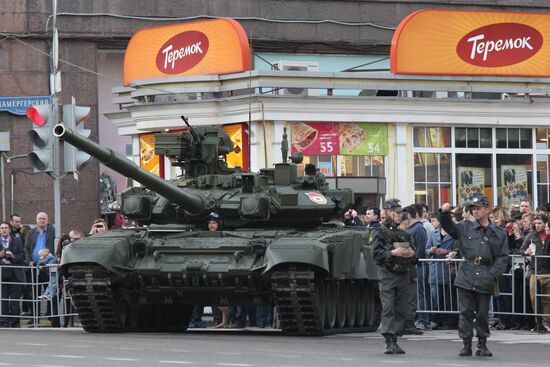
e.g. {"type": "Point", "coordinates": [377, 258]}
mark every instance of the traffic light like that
{"type": "Point", "coordinates": [41, 136]}
{"type": "Point", "coordinates": [73, 118]}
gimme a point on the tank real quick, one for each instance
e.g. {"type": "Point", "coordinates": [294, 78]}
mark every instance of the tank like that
{"type": "Point", "coordinates": [279, 244]}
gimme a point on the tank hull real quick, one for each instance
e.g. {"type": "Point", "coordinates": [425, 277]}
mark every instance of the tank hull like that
{"type": "Point", "coordinates": [149, 279]}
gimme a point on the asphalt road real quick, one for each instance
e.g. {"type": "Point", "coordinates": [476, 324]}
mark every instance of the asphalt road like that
{"type": "Point", "coordinates": [47, 347]}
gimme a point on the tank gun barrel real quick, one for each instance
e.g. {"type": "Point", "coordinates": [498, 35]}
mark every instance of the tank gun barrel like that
{"type": "Point", "coordinates": [192, 203]}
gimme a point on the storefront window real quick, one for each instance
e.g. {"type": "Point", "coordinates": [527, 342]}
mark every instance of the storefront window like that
{"type": "Point", "coordinates": [543, 178]}
{"type": "Point", "coordinates": [432, 172]}
{"type": "Point", "coordinates": [542, 138]}
{"type": "Point", "coordinates": [349, 165]}
{"type": "Point", "coordinates": [514, 178]}
{"type": "Point", "coordinates": [432, 137]}
{"type": "Point", "coordinates": [468, 137]}
{"type": "Point", "coordinates": [473, 176]}
{"type": "Point", "coordinates": [473, 172]}
{"type": "Point", "coordinates": [513, 138]}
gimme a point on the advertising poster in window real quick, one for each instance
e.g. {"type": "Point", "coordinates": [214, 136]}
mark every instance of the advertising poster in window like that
{"type": "Point", "coordinates": [148, 160]}
{"type": "Point", "coordinates": [239, 157]}
{"type": "Point", "coordinates": [471, 181]}
{"type": "Point", "coordinates": [315, 138]}
{"type": "Point", "coordinates": [514, 184]}
{"type": "Point", "coordinates": [325, 168]}
{"type": "Point", "coordinates": [363, 139]}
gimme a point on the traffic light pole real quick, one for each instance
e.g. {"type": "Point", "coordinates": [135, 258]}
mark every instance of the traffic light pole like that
{"type": "Point", "coordinates": [54, 89]}
{"type": "Point", "coordinates": [56, 175]}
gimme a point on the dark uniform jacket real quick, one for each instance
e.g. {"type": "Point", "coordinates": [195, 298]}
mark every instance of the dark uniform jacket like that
{"type": "Point", "coordinates": [383, 239]}
{"type": "Point", "coordinates": [485, 255]}
{"type": "Point", "coordinates": [15, 273]}
{"type": "Point", "coordinates": [30, 241]}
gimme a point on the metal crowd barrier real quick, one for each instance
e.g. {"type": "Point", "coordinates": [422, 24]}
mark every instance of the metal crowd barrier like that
{"type": "Point", "coordinates": [58, 307]}
{"type": "Point", "coordinates": [440, 295]}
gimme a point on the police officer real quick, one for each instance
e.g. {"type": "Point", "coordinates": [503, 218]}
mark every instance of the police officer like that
{"type": "Point", "coordinates": [395, 253]}
{"type": "Point", "coordinates": [484, 248]}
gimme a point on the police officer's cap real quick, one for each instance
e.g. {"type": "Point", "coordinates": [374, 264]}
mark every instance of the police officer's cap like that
{"type": "Point", "coordinates": [393, 204]}
{"type": "Point", "coordinates": [480, 201]}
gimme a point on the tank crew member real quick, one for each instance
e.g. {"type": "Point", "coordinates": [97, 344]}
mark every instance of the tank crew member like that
{"type": "Point", "coordinates": [214, 225]}
{"type": "Point", "coordinates": [484, 247]}
{"type": "Point", "coordinates": [395, 253]}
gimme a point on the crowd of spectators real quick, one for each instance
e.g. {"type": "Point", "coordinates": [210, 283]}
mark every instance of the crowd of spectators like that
{"type": "Point", "coordinates": [28, 263]}
{"type": "Point", "coordinates": [529, 244]}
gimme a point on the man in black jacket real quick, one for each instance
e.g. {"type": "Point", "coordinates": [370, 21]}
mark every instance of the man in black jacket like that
{"type": "Point", "coordinates": [12, 256]}
{"type": "Point", "coordinates": [484, 248]}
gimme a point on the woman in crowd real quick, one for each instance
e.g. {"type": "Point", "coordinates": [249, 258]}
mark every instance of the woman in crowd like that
{"type": "Point", "coordinates": [439, 275]}
{"type": "Point", "coordinates": [535, 240]}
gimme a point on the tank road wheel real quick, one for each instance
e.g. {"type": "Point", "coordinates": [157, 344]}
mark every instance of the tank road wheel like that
{"type": "Point", "coordinates": [133, 315]}
{"type": "Point", "coordinates": [331, 304]}
{"type": "Point", "coordinates": [321, 297]}
{"type": "Point", "coordinates": [145, 316]}
{"type": "Point", "coordinates": [359, 290]}
{"type": "Point", "coordinates": [122, 310]}
{"type": "Point", "coordinates": [371, 313]}
{"type": "Point", "coordinates": [158, 317]}
{"type": "Point", "coordinates": [352, 304]}
{"type": "Point", "coordinates": [182, 315]}
{"type": "Point", "coordinates": [341, 303]}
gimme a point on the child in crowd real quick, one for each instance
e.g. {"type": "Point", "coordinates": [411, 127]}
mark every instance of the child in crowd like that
{"type": "Point", "coordinates": [47, 260]}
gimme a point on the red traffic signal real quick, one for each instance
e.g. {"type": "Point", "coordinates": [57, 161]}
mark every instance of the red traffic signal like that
{"type": "Point", "coordinates": [39, 114]}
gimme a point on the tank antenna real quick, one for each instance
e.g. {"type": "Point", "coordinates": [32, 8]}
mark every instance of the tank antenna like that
{"type": "Point", "coordinates": [195, 137]}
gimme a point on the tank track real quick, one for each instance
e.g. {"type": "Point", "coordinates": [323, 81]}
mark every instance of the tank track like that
{"type": "Point", "coordinates": [90, 287]}
{"type": "Point", "coordinates": [295, 297]}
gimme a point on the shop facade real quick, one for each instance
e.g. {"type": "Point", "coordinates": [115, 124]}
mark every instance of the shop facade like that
{"type": "Point", "coordinates": [406, 134]}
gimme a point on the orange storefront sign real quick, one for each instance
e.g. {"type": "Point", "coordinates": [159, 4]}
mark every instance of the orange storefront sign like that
{"type": "Point", "coordinates": [218, 46]}
{"type": "Point", "coordinates": [148, 160]}
{"type": "Point", "coordinates": [239, 157]}
{"type": "Point", "coordinates": [452, 42]}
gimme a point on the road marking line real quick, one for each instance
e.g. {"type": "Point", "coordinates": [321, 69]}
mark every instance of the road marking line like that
{"type": "Point", "coordinates": [15, 354]}
{"type": "Point", "coordinates": [178, 351]}
{"type": "Point", "coordinates": [33, 344]}
{"type": "Point", "coordinates": [235, 364]}
{"type": "Point", "coordinates": [122, 359]}
{"type": "Point", "coordinates": [285, 356]}
{"type": "Point", "coordinates": [391, 362]}
{"type": "Point", "coordinates": [177, 362]}
{"type": "Point", "coordinates": [78, 346]}
{"type": "Point", "coordinates": [68, 356]}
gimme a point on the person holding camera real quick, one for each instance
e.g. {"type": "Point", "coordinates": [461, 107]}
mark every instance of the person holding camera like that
{"type": "Point", "coordinates": [12, 258]}
{"type": "Point", "coordinates": [394, 251]}
{"type": "Point", "coordinates": [99, 226]}
{"type": "Point", "coordinates": [484, 248]}
{"type": "Point", "coordinates": [351, 218]}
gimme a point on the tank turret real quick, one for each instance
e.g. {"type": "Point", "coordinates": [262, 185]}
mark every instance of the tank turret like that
{"type": "Point", "coordinates": [274, 197]}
